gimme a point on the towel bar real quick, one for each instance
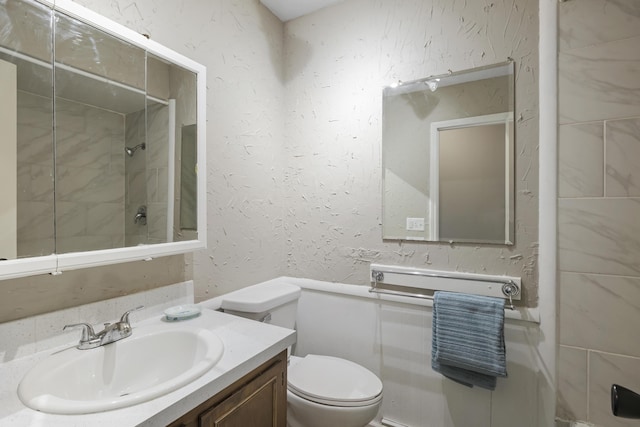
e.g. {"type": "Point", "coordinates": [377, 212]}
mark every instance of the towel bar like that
{"type": "Point", "coordinates": [510, 289]}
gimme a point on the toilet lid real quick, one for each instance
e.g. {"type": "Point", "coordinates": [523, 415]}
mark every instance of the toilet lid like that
{"type": "Point", "coordinates": [333, 381]}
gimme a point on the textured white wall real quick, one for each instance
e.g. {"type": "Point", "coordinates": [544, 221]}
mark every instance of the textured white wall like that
{"type": "Point", "coordinates": [240, 43]}
{"type": "Point", "coordinates": [294, 117]}
{"type": "Point", "coordinates": [320, 218]}
{"type": "Point", "coordinates": [336, 62]}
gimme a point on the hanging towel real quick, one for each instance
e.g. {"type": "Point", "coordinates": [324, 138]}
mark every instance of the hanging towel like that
{"type": "Point", "coordinates": [467, 345]}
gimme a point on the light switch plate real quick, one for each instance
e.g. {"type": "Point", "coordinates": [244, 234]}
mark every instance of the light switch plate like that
{"type": "Point", "coordinates": [415, 224]}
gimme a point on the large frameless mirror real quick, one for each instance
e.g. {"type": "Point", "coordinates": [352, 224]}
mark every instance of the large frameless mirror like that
{"type": "Point", "coordinates": [448, 162]}
{"type": "Point", "coordinates": [92, 118]}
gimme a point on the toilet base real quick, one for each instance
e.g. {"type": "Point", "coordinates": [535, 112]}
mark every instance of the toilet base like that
{"type": "Point", "coordinates": [304, 413]}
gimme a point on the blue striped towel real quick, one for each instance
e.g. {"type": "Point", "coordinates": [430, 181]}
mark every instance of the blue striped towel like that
{"type": "Point", "coordinates": [468, 338]}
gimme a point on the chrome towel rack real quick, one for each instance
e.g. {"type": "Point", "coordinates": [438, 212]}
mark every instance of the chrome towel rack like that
{"type": "Point", "coordinates": [476, 284]}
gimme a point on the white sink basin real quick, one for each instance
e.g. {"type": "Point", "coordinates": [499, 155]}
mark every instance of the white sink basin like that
{"type": "Point", "coordinates": [152, 362]}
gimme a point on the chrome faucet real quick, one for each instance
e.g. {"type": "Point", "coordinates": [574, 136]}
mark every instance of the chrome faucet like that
{"type": "Point", "coordinates": [111, 332]}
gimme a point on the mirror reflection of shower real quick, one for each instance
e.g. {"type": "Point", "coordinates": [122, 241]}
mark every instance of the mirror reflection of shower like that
{"type": "Point", "coordinates": [131, 151]}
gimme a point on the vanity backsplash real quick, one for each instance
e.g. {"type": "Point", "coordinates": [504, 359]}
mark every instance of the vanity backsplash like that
{"type": "Point", "coordinates": [27, 336]}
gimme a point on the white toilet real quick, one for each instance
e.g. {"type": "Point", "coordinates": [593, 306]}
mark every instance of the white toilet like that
{"type": "Point", "coordinates": [322, 390]}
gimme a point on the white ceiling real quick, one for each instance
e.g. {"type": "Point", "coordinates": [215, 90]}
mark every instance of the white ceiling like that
{"type": "Point", "coordinates": [291, 9]}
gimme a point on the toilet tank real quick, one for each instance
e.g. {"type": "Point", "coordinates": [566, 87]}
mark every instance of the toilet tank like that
{"type": "Point", "coordinates": [274, 302]}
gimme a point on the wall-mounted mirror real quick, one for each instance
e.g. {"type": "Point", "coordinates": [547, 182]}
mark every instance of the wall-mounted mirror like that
{"type": "Point", "coordinates": [92, 119]}
{"type": "Point", "coordinates": [448, 162]}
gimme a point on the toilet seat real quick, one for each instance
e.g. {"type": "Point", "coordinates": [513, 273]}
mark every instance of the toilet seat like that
{"type": "Point", "coordinates": [333, 381]}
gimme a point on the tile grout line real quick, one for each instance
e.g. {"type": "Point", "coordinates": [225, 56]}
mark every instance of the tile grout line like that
{"type": "Point", "coordinates": [588, 391]}
{"type": "Point", "coordinates": [588, 273]}
{"type": "Point", "coordinates": [604, 157]}
{"type": "Point", "coordinates": [599, 198]}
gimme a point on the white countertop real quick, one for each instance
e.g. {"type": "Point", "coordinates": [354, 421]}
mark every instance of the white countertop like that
{"type": "Point", "coordinates": [248, 344]}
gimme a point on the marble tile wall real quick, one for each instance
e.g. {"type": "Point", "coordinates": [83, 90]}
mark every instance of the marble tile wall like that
{"type": "Point", "coordinates": [146, 175]}
{"type": "Point", "coordinates": [89, 177]}
{"type": "Point", "coordinates": [599, 207]}
{"type": "Point", "coordinates": [183, 89]}
{"type": "Point", "coordinates": [135, 179]}
{"type": "Point", "coordinates": [26, 28]}
{"type": "Point", "coordinates": [35, 175]}
{"type": "Point", "coordinates": [90, 49]}
{"type": "Point", "coordinates": [157, 172]}
{"type": "Point", "coordinates": [32, 296]}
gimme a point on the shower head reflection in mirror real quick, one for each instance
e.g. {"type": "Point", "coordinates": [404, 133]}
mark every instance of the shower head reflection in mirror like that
{"type": "Point", "coordinates": [131, 151]}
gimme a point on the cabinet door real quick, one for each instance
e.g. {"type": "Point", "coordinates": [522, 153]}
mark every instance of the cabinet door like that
{"type": "Point", "coordinates": [260, 403]}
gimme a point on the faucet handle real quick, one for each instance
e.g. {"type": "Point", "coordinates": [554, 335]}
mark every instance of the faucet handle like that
{"type": "Point", "coordinates": [125, 316]}
{"type": "Point", "coordinates": [88, 333]}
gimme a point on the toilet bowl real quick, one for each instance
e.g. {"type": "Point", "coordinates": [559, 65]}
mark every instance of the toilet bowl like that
{"type": "Point", "coordinates": [329, 391]}
{"type": "Point", "coordinates": [322, 391]}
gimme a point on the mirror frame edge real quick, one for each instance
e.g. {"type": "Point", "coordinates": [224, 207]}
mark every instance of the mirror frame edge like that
{"type": "Point", "coordinates": [57, 263]}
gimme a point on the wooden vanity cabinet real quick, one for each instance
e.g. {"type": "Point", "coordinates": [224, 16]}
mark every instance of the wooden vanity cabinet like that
{"type": "Point", "coordinates": [259, 399]}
